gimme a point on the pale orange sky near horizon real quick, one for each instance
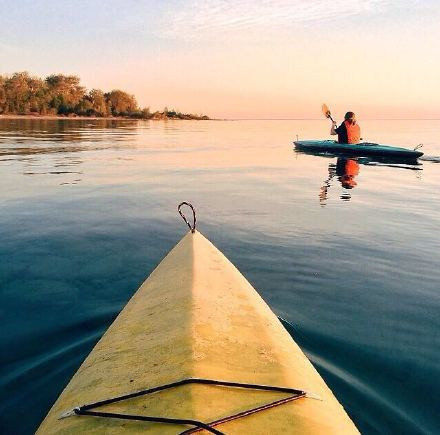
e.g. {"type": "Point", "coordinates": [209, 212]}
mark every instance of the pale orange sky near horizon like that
{"type": "Point", "coordinates": [242, 59]}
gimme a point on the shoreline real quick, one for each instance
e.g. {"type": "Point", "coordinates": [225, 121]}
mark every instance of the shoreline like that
{"type": "Point", "coordinates": [96, 118]}
{"type": "Point", "coordinates": [127, 118]}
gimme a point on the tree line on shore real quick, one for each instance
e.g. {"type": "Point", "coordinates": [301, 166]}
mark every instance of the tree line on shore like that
{"type": "Point", "coordinates": [59, 94]}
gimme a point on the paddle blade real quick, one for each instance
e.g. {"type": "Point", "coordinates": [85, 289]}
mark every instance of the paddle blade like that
{"type": "Point", "coordinates": [326, 111]}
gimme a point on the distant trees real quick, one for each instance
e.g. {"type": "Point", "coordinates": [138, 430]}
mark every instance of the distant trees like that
{"type": "Point", "coordinates": [65, 94]}
{"type": "Point", "coordinates": [21, 93]}
{"type": "Point", "coordinates": [121, 103]}
{"type": "Point", "coordinates": [60, 94]}
{"type": "Point", "coordinates": [2, 94]}
{"type": "Point", "coordinates": [99, 104]}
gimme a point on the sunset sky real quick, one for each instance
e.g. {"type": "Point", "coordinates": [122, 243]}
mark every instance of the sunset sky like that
{"type": "Point", "coordinates": [241, 58]}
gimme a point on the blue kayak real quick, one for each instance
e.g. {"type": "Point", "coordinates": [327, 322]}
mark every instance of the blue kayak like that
{"type": "Point", "coordinates": [361, 149]}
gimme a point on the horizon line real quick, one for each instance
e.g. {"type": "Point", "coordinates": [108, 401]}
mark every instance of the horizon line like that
{"type": "Point", "coordinates": [320, 119]}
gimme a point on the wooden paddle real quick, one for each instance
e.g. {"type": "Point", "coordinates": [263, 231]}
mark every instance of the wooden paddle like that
{"type": "Point", "coordinates": [326, 112]}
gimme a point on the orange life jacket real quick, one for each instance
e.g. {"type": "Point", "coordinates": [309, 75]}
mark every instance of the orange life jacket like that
{"type": "Point", "coordinates": [353, 132]}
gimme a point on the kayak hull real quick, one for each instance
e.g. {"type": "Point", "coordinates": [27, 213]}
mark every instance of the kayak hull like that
{"type": "Point", "coordinates": [362, 149]}
{"type": "Point", "coordinates": [196, 316]}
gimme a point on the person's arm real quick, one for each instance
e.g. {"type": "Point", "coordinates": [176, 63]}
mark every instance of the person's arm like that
{"type": "Point", "coordinates": [333, 131]}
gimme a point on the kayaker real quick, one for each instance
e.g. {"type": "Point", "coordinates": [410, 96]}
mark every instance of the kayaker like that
{"type": "Point", "coordinates": [349, 131]}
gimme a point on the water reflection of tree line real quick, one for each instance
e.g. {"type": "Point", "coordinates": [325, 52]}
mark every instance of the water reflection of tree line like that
{"type": "Point", "coordinates": [43, 133]}
{"type": "Point", "coordinates": [29, 140]}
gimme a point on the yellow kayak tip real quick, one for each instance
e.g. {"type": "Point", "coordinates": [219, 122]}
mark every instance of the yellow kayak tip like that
{"type": "Point", "coordinates": [196, 349]}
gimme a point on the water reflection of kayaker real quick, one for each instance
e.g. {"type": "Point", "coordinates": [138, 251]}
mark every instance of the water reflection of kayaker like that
{"type": "Point", "coordinates": [349, 131]}
{"type": "Point", "coordinates": [347, 170]}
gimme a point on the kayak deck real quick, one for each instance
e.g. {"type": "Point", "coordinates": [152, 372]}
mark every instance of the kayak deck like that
{"type": "Point", "coordinates": [196, 316]}
{"type": "Point", "coordinates": [365, 148]}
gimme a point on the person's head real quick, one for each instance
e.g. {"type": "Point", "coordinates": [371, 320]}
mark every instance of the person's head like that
{"type": "Point", "coordinates": [350, 117]}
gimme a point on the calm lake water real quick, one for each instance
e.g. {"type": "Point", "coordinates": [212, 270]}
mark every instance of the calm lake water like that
{"type": "Point", "coordinates": [346, 252]}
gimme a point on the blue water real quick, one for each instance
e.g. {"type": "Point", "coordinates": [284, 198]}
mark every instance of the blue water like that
{"type": "Point", "coordinates": [346, 253]}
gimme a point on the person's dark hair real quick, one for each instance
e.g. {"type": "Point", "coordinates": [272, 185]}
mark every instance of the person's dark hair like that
{"type": "Point", "coordinates": [349, 115]}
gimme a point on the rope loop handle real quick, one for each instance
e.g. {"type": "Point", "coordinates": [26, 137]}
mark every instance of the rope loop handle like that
{"type": "Point", "coordinates": [179, 209]}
